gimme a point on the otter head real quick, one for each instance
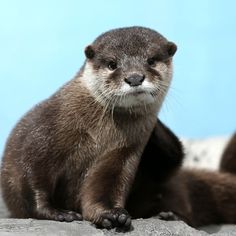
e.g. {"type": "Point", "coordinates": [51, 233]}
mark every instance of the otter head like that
{"type": "Point", "coordinates": [129, 67]}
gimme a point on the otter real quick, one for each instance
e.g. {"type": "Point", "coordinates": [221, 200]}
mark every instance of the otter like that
{"type": "Point", "coordinates": [196, 196]}
{"type": "Point", "coordinates": [75, 155]}
{"type": "Point", "coordinates": [228, 161]}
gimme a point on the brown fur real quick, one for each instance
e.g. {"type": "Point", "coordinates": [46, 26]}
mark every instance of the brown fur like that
{"type": "Point", "coordinates": [228, 161]}
{"type": "Point", "coordinates": [71, 144]}
{"type": "Point", "coordinates": [71, 154]}
{"type": "Point", "coordinates": [198, 197]}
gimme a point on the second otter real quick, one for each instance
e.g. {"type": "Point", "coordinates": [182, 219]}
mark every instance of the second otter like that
{"type": "Point", "coordinates": [198, 197]}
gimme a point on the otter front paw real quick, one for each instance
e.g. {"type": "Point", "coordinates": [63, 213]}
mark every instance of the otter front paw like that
{"type": "Point", "coordinates": [59, 215]}
{"type": "Point", "coordinates": [115, 218]}
{"type": "Point", "coordinates": [168, 216]}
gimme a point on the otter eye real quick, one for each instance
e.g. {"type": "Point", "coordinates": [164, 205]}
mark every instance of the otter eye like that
{"type": "Point", "coordinates": [151, 62]}
{"type": "Point", "coordinates": [112, 65]}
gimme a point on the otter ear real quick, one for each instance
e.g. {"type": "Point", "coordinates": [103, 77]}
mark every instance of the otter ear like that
{"type": "Point", "coordinates": [171, 48]}
{"type": "Point", "coordinates": [89, 52]}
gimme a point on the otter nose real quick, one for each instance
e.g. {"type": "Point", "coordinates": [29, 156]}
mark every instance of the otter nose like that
{"type": "Point", "coordinates": [135, 80]}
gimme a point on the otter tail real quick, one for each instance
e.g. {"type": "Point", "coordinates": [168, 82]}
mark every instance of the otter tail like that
{"type": "Point", "coordinates": [228, 161]}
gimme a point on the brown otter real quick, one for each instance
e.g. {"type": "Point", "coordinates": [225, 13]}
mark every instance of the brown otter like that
{"type": "Point", "coordinates": [228, 161]}
{"type": "Point", "coordinates": [78, 151]}
{"type": "Point", "coordinates": [198, 197]}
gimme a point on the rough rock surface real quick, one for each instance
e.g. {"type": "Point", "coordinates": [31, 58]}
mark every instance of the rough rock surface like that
{"type": "Point", "coordinates": [152, 226]}
{"type": "Point", "coordinates": [141, 227]}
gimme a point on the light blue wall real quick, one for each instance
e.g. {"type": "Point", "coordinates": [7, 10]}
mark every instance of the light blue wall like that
{"type": "Point", "coordinates": [42, 42]}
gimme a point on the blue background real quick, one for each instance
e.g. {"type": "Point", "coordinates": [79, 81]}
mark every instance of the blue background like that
{"type": "Point", "coordinates": [42, 43]}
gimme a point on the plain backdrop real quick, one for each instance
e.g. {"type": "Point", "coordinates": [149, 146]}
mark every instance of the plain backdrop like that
{"type": "Point", "coordinates": [42, 43]}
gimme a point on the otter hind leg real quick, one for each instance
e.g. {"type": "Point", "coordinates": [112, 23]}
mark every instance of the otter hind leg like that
{"type": "Point", "coordinates": [15, 193]}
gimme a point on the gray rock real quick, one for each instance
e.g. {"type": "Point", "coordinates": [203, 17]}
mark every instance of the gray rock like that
{"type": "Point", "coordinates": [149, 227]}
{"type": "Point", "coordinates": [26, 227]}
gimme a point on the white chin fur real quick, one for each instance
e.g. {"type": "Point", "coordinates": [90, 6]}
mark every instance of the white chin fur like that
{"type": "Point", "coordinates": [133, 98]}
{"type": "Point", "coordinates": [136, 100]}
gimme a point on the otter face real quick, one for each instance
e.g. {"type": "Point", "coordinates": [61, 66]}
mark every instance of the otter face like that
{"type": "Point", "coordinates": [129, 67]}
